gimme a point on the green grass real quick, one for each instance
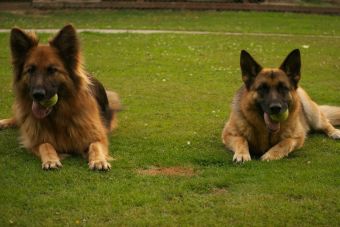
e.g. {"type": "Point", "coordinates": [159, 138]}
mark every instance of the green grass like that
{"type": "Point", "coordinates": [178, 20]}
{"type": "Point", "coordinates": [175, 89]}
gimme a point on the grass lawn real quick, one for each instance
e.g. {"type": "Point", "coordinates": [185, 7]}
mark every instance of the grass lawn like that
{"type": "Point", "coordinates": [176, 91]}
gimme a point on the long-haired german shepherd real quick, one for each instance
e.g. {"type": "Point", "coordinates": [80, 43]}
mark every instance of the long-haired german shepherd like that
{"type": "Point", "coordinates": [84, 113]}
{"type": "Point", "coordinates": [268, 91]}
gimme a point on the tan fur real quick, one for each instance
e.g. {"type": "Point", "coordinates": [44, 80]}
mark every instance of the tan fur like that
{"type": "Point", "coordinates": [77, 127]}
{"type": "Point", "coordinates": [245, 132]}
{"type": "Point", "coordinates": [246, 128]}
{"type": "Point", "coordinates": [332, 113]}
{"type": "Point", "coordinates": [49, 156]}
{"type": "Point", "coordinates": [8, 123]}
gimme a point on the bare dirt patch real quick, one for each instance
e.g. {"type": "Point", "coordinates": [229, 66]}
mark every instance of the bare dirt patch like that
{"type": "Point", "coordinates": [219, 191]}
{"type": "Point", "coordinates": [168, 171]}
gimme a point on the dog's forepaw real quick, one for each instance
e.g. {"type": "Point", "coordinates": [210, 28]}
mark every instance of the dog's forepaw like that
{"type": "Point", "coordinates": [99, 165]}
{"type": "Point", "coordinates": [335, 135]}
{"type": "Point", "coordinates": [271, 156]}
{"type": "Point", "coordinates": [241, 157]}
{"type": "Point", "coordinates": [52, 164]}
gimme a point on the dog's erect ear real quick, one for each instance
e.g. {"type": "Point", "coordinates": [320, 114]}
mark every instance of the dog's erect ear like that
{"type": "Point", "coordinates": [292, 66]}
{"type": "Point", "coordinates": [249, 67]}
{"type": "Point", "coordinates": [21, 43]}
{"type": "Point", "coordinates": [67, 43]}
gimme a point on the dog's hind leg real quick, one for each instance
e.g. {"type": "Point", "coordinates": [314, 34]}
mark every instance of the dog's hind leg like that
{"type": "Point", "coordinates": [315, 116]}
{"type": "Point", "coordinates": [332, 113]}
{"type": "Point", "coordinates": [8, 123]}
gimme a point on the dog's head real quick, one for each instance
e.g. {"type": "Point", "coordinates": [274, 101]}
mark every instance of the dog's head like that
{"type": "Point", "coordinates": [271, 87]}
{"type": "Point", "coordinates": [41, 71]}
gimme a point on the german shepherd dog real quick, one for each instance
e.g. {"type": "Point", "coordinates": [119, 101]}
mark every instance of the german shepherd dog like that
{"type": "Point", "coordinates": [267, 91]}
{"type": "Point", "coordinates": [84, 113]}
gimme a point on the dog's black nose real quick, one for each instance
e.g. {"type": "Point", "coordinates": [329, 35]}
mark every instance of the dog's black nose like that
{"type": "Point", "coordinates": [39, 94]}
{"type": "Point", "coordinates": [275, 108]}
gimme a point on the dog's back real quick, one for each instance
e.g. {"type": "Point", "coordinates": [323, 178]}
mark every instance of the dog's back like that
{"type": "Point", "coordinates": [108, 102]}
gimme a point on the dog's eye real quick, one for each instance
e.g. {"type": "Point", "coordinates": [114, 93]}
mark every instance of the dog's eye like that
{"type": "Point", "coordinates": [31, 69]}
{"type": "Point", "coordinates": [263, 89]}
{"type": "Point", "coordinates": [51, 70]}
{"type": "Point", "coordinates": [282, 88]}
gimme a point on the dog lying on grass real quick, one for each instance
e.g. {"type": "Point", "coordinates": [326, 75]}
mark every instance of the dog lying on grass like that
{"type": "Point", "coordinates": [59, 107]}
{"type": "Point", "coordinates": [271, 114]}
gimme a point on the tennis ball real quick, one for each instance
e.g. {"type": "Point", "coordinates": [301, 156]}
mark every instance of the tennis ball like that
{"type": "Point", "coordinates": [280, 117]}
{"type": "Point", "coordinates": [50, 102]}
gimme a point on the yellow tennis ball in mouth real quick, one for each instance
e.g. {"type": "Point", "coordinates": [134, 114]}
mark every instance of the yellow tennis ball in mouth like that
{"type": "Point", "coordinates": [280, 117]}
{"type": "Point", "coordinates": [50, 102]}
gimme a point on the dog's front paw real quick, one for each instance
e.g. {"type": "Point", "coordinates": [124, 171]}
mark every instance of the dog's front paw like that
{"type": "Point", "coordinates": [241, 157]}
{"type": "Point", "coordinates": [99, 165]}
{"type": "Point", "coordinates": [271, 156]}
{"type": "Point", "coordinates": [51, 164]}
{"type": "Point", "coordinates": [335, 135]}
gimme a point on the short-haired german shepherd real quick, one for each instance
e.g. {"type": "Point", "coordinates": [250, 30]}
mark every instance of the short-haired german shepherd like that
{"type": "Point", "coordinates": [84, 112]}
{"type": "Point", "coordinates": [267, 91]}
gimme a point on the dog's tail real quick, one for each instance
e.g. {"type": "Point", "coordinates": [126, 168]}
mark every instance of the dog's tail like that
{"type": "Point", "coordinates": [332, 113]}
{"type": "Point", "coordinates": [115, 106]}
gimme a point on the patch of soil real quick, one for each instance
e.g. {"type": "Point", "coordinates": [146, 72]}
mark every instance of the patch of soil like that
{"type": "Point", "coordinates": [168, 171]}
{"type": "Point", "coordinates": [219, 191]}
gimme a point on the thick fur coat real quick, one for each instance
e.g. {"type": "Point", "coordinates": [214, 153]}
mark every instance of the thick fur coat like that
{"type": "Point", "coordinates": [82, 117]}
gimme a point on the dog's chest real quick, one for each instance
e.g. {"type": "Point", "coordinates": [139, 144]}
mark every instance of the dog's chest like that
{"type": "Point", "coordinates": [260, 140]}
{"type": "Point", "coordinates": [75, 136]}
{"type": "Point", "coordinates": [65, 135]}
